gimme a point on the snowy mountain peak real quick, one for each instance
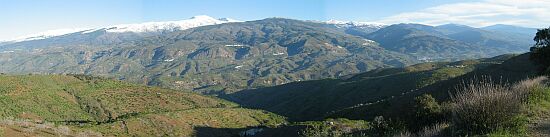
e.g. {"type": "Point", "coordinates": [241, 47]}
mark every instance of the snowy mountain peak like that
{"type": "Point", "coordinates": [195, 21]}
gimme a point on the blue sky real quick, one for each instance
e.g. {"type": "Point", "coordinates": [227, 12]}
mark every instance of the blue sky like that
{"type": "Point", "coordinates": [22, 17]}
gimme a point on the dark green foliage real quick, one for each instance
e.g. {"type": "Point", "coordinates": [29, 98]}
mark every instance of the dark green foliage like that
{"type": "Point", "coordinates": [385, 127]}
{"type": "Point", "coordinates": [540, 53]}
{"type": "Point", "coordinates": [334, 128]}
{"type": "Point", "coordinates": [428, 111]}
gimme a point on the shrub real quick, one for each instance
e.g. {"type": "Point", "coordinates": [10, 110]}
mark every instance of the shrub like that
{"type": "Point", "coordinates": [386, 127]}
{"type": "Point", "coordinates": [427, 110]}
{"type": "Point", "coordinates": [484, 106]}
{"type": "Point", "coordinates": [335, 128]}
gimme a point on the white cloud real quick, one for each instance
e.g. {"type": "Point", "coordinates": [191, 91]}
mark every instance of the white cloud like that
{"type": "Point", "coordinates": [530, 13]}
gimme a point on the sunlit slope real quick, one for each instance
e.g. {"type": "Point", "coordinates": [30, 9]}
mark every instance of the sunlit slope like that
{"type": "Point", "coordinates": [101, 106]}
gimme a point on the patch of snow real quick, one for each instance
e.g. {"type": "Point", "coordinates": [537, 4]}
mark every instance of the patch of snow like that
{"type": "Point", "coordinates": [368, 40]}
{"type": "Point", "coordinates": [280, 53]}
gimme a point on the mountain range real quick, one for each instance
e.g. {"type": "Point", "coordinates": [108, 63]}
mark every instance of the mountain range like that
{"type": "Point", "coordinates": [225, 55]}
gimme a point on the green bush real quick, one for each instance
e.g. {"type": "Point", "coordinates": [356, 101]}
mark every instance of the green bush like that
{"type": "Point", "coordinates": [335, 128]}
{"type": "Point", "coordinates": [386, 127]}
{"type": "Point", "coordinates": [428, 111]}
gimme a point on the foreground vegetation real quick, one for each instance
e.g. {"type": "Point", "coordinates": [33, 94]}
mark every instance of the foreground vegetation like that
{"type": "Point", "coordinates": [482, 107]}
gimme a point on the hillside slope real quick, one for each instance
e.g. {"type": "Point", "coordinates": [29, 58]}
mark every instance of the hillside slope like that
{"type": "Point", "coordinates": [83, 103]}
{"type": "Point", "coordinates": [510, 71]}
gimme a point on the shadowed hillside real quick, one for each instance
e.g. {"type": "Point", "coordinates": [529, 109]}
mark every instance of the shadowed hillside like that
{"type": "Point", "coordinates": [318, 99]}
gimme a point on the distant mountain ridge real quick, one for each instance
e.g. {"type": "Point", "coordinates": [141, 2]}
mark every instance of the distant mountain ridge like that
{"type": "Point", "coordinates": [511, 29]}
{"type": "Point", "coordinates": [448, 41]}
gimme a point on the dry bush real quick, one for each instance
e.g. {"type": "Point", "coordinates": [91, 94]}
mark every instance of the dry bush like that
{"type": "Point", "coordinates": [483, 106]}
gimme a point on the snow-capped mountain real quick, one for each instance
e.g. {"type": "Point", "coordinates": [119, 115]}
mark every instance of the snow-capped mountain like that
{"type": "Point", "coordinates": [347, 24]}
{"type": "Point", "coordinates": [46, 34]}
{"type": "Point", "coordinates": [195, 21]}
{"type": "Point", "coordinates": [148, 27]}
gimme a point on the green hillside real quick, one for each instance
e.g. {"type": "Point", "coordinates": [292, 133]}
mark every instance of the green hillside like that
{"type": "Point", "coordinates": [81, 104]}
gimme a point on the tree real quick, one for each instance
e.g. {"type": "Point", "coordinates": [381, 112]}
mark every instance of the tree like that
{"type": "Point", "coordinates": [540, 52]}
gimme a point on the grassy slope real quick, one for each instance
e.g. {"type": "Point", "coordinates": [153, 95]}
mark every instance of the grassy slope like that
{"type": "Point", "coordinates": [539, 112]}
{"type": "Point", "coordinates": [100, 105]}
